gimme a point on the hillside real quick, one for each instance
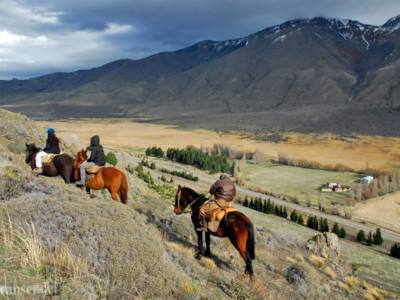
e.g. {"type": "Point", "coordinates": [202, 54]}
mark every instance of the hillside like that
{"type": "Point", "coordinates": [309, 75]}
{"type": "Point", "coordinates": [94, 247]}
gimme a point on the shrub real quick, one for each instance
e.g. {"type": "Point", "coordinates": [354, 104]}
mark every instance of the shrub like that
{"type": "Point", "coordinates": [182, 174]}
{"type": "Point", "coordinates": [111, 158]}
{"type": "Point", "coordinates": [130, 169]}
{"type": "Point", "coordinates": [395, 250]}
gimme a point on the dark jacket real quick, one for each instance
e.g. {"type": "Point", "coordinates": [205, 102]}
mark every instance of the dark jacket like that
{"type": "Point", "coordinates": [52, 144]}
{"type": "Point", "coordinates": [223, 189]}
{"type": "Point", "coordinates": [97, 156]}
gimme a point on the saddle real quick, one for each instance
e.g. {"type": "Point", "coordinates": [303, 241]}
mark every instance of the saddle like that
{"type": "Point", "coordinates": [215, 216]}
{"type": "Point", "coordinates": [93, 169]}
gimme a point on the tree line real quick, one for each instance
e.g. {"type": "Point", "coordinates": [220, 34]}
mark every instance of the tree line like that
{"type": "Point", "coordinates": [213, 163]}
{"type": "Point", "coordinates": [269, 207]}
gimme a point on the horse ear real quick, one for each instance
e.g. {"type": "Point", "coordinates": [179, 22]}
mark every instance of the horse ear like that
{"type": "Point", "coordinates": [26, 145]}
{"type": "Point", "coordinates": [179, 187]}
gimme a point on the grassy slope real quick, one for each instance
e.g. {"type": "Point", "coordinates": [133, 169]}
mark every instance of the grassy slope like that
{"type": "Point", "coordinates": [144, 250]}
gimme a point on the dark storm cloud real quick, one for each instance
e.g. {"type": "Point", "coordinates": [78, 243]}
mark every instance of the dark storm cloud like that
{"type": "Point", "coordinates": [89, 33]}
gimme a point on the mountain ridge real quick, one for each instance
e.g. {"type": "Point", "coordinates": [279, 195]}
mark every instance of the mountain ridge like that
{"type": "Point", "coordinates": [309, 68]}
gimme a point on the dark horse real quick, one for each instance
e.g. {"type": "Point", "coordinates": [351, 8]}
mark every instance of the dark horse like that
{"type": "Point", "coordinates": [62, 164]}
{"type": "Point", "coordinates": [235, 226]}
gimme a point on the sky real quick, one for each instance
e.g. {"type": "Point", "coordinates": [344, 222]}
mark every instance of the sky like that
{"type": "Point", "coordinates": [43, 36]}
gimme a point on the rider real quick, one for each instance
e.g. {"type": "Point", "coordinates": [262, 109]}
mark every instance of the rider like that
{"type": "Point", "coordinates": [52, 147]}
{"type": "Point", "coordinates": [224, 192]}
{"type": "Point", "coordinates": [97, 158]}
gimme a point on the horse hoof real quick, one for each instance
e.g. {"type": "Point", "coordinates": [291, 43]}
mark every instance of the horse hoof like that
{"type": "Point", "coordinates": [197, 255]}
{"type": "Point", "coordinates": [208, 254]}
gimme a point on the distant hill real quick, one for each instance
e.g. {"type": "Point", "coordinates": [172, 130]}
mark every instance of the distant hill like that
{"type": "Point", "coordinates": [308, 75]}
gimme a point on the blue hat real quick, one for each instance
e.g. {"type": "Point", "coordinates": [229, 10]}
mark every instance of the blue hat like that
{"type": "Point", "coordinates": [51, 131]}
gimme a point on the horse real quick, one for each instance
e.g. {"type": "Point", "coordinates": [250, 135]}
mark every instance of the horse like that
{"type": "Point", "coordinates": [109, 178]}
{"type": "Point", "coordinates": [235, 225]}
{"type": "Point", "coordinates": [61, 164]}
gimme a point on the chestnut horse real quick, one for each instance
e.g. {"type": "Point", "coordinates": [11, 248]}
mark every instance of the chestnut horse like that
{"type": "Point", "coordinates": [109, 178]}
{"type": "Point", "coordinates": [235, 225]}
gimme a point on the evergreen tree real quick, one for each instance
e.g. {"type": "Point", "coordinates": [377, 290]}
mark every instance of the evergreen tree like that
{"type": "Point", "coordinates": [321, 225]}
{"type": "Point", "coordinates": [246, 202]}
{"type": "Point", "coordinates": [361, 236]}
{"type": "Point", "coordinates": [251, 205]}
{"type": "Point", "coordinates": [315, 222]}
{"type": "Point", "coordinates": [326, 225]}
{"type": "Point", "coordinates": [293, 216]}
{"type": "Point", "coordinates": [395, 250]}
{"type": "Point", "coordinates": [300, 220]}
{"type": "Point", "coordinates": [335, 229]}
{"type": "Point", "coordinates": [284, 213]}
{"type": "Point", "coordinates": [342, 233]}
{"type": "Point", "coordinates": [369, 239]}
{"type": "Point", "coordinates": [377, 237]}
{"type": "Point", "coordinates": [264, 206]}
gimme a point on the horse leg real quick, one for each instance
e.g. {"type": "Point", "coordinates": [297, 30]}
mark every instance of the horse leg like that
{"type": "Point", "coordinates": [199, 251]}
{"type": "Point", "coordinates": [208, 241]}
{"type": "Point", "coordinates": [114, 194]}
{"type": "Point", "coordinates": [239, 240]}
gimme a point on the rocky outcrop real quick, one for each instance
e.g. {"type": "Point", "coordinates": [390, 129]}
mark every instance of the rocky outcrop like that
{"type": "Point", "coordinates": [324, 244]}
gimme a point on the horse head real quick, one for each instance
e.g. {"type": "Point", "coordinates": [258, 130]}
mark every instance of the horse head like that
{"type": "Point", "coordinates": [183, 198]}
{"type": "Point", "coordinates": [81, 156]}
{"type": "Point", "coordinates": [30, 152]}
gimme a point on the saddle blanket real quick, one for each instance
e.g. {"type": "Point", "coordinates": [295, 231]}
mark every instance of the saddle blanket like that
{"type": "Point", "coordinates": [48, 158]}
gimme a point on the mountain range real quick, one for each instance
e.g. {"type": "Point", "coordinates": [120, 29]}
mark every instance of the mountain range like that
{"type": "Point", "coordinates": [309, 75]}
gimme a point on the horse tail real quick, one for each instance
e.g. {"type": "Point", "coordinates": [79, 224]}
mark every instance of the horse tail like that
{"type": "Point", "coordinates": [250, 244]}
{"type": "Point", "coordinates": [123, 189]}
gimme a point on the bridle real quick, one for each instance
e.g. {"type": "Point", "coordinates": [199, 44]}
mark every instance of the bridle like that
{"type": "Point", "coordinates": [190, 204]}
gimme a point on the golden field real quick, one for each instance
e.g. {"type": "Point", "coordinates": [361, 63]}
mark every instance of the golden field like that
{"type": "Point", "coordinates": [359, 153]}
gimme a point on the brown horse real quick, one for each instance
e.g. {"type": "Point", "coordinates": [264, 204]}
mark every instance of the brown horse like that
{"type": "Point", "coordinates": [235, 226]}
{"type": "Point", "coordinates": [109, 178]}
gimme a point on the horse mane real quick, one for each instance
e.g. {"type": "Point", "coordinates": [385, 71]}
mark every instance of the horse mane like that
{"type": "Point", "coordinates": [191, 192]}
{"type": "Point", "coordinates": [34, 147]}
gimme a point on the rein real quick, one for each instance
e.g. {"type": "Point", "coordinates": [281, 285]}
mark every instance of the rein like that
{"type": "Point", "coordinates": [190, 204]}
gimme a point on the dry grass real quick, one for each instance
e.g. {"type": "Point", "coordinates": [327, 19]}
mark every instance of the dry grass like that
{"type": "Point", "coordinates": [329, 272]}
{"type": "Point", "coordinates": [207, 263]}
{"type": "Point", "coordinates": [326, 149]}
{"type": "Point", "coordinates": [317, 261]}
{"type": "Point", "coordinates": [383, 211]}
{"type": "Point", "coordinates": [30, 253]}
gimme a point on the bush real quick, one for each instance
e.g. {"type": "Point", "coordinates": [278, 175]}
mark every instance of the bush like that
{"type": "Point", "coordinates": [300, 220]}
{"type": "Point", "coordinates": [111, 158]}
{"type": "Point", "coordinates": [395, 250]}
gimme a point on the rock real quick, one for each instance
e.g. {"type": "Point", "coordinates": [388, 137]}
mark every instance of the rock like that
{"type": "Point", "coordinates": [324, 244]}
{"type": "Point", "coordinates": [70, 143]}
